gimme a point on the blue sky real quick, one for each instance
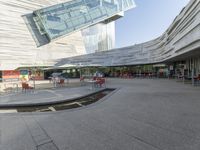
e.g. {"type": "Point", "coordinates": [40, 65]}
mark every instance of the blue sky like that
{"type": "Point", "coordinates": [147, 21]}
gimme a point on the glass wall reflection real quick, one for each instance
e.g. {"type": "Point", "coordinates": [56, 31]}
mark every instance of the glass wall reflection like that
{"type": "Point", "coordinates": [61, 19]}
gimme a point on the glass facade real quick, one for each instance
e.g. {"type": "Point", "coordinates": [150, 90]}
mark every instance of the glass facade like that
{"type": "Point", "coordinates": [61, 19]}
{"type": "Point", "coordinates": [99, 37]}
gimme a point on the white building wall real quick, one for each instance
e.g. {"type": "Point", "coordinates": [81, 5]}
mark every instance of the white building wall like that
{"type": "Point", "coordinates": [182, 38]}
{"type": "Point", "coordinates": [18, 48]}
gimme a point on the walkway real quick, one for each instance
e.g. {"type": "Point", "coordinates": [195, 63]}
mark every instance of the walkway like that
{"type": "Point", "coordinates": [143, 114]}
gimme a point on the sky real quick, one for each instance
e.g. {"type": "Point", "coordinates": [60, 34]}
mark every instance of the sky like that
{"type": "Point", "coordinates": [148, 20]}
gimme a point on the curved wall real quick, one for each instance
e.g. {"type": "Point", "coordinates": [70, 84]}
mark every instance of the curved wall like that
{"type": "Point", "coordinates": [181, 37]}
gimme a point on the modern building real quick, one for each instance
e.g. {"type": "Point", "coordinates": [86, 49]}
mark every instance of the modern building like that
{"type": "Point", "coordinates": [79, 32]}
{"type": "Point", "coordinates": [39, 33]}
{"type": "Point", "coordinates": [178, 47]}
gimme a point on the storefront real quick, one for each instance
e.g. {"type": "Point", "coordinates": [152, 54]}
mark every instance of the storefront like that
{"type": "Point", "coordinates": [38, 74]}
{"type": "Point", "coordinates": [10, 75]}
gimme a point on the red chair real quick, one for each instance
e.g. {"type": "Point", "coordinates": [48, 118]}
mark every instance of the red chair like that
{"type": "Point", "coordinates": [101, 81]}
{"type": "Point", "coordinates": [198, 79]}
{"type": "Point", "coordinates": [95, 78]}
{"type": "Point", "coordinates": [61, 82]}
{"type": "Point", "coordinates": [25, 87]}
{"type": "Point", "coordinates": [82, 79]}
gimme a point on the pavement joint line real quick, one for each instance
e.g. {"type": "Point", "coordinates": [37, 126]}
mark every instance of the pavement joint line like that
{"type": "Point", "coordinates": [166, 129]}
{"type": "Point", "coordinates": [51, 142]}
{"type": "Point", "coordinates": [143, 141]}
{"type": "Point", "coordinates": [23, 117]}
{"type": "Point", "coordinates": [129, 135]}
{"type": "Point", "coordinates": [46, 142]}
{"type": "Point", "coordinates": [134, 137]}
{"type": "Point", "coordinates": [33, 122]}
{"type": "Point", "coordinates": [54, 92]}
{"type": "Point", "coordinates": [138, 138]}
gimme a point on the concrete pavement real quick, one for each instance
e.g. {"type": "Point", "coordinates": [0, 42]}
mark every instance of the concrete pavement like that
{"type": "Point", "coordinates": [143, 114]}
{"type": "Point", "coordinates": [46, 95]}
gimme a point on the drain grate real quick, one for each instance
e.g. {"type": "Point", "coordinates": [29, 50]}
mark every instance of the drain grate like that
{"type": "Point", "coordinates": [61, 106]}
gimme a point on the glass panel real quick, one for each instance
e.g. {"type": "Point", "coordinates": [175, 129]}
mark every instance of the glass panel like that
{"type": "Point", "coordinates": [61, 19]}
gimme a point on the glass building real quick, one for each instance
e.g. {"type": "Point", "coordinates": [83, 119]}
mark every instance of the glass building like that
{"type": "Point", "coordinates": [39, 33]}
{"type": "Point", "coordinates": [100, 37]}
{"type": "Point", "coordinates": [61, 19]}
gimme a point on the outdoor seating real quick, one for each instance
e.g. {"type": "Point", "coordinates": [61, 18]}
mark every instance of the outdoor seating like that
{"type": "Point", "coordinates": [197, 80]}
{"type": "Point", "coordinates": [50, 79]}
{"type": "Point", "coordinates": [61, 83]}
{"type": "Point", "coordinates": [82, 80]}
{"type": "Point", "coordinates": [100, 82]}
{"type": "Point", "coordinates": [10, 87]}
{"type": "Point", "coordinates": [25, 86]}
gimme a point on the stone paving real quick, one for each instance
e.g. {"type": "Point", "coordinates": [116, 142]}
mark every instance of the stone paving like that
{"type": "Point", "coordinates": [143, 114]}
{"type": "Point", "coordinates": [46, 95]}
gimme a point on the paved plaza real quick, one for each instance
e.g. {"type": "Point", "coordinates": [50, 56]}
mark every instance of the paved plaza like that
{"type": "Point", "coordinates": [142, 114]}
{"type": "Point", "coordinates": [46, 96]}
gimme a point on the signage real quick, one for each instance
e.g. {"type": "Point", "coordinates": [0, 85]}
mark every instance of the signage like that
{"type": "Point", "coordinates": [10, 75]}
{"type": "Point", "coordinates": [24, 75]}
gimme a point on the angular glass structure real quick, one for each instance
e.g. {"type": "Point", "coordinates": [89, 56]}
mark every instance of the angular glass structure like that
{"type": "Point", "coordinates": [61, 19]}
{"type": "Point", "coordinates": [99, 37]}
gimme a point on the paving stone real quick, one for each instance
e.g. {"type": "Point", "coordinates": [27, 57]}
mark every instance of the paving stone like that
{"type": "Point", "coordinates": [142, 115]}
